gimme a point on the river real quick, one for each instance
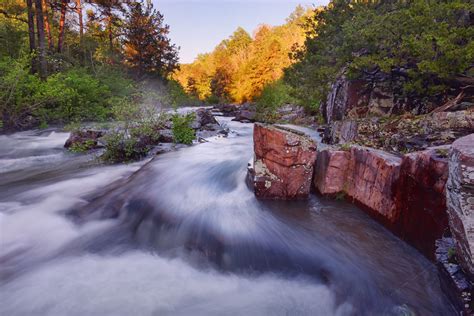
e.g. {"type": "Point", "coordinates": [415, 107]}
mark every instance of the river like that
{"type": "Point", "coordinates": [182, 234]}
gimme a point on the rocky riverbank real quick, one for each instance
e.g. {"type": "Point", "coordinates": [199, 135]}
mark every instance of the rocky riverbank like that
{"type": "Point", "coordinates": [406, 193]}
{"type": "Point", "coordinates": [148, 139]}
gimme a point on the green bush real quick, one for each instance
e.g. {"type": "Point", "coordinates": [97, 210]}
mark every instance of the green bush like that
{"type": "Point", "coordinates": [273, 97]}
{"type": "Point", "coordinates": [423, 45]}
{"type": "Point", "coordinates": [74, 95]}
{"type": "Point", "coordinates": [71, 95]}
{"type": "Point", "coordinates": [182, 131]}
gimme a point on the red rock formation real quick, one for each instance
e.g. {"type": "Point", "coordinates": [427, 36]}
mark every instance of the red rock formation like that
{"type": "Point", "coordinates": [460, 196]}
{"type": "Point", "coordinates": [331, 171]}
{"type": "Point", "coordinates": [406, 194]}
{"type": "Point", "coordinates": [283, 164]}
{"type": "Point", "coordinates": [371, 179]}
{"type": "Point", "coordinates": [421, 198]}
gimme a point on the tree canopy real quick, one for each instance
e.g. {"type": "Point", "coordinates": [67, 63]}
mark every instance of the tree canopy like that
{"type": "Point", "coordinates": [239, 67]}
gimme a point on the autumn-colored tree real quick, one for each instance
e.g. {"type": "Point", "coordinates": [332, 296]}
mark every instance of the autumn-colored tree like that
{"type": "Point", "coordinates": [240, 66]}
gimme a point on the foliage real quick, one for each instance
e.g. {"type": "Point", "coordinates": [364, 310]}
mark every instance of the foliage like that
{"type": "Point", "coordinates": [182, 131]}
{"type": "Point", "coordinates": [273, 96]}
{"type": "Point", "coordinates": [82, 147]}
{"type": "Point", "coordinates": [90, 68]}
{"type": "Point", "coordinates": [422, 44]}
{"type": "Point", "coordinates": [72, 95]}
{"type": "Point", "coordinates": [147, 48]}
{"type": "Point", "coordinates": [239, 67]}
{"type": "Point", "coordinates": [138, 134]}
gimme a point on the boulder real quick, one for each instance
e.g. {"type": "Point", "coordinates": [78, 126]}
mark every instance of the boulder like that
{"type": "Point", "coordinates": [421, 198]}
{"type": "Point", "coordinates": [205, 117]}
{"type": "Point", "coordinates": [202, 118]}
{"type": "Point", "coordinates": [226, 109]}
{"type": "Point", "coordinates": [86, 139]}
{"type": "Point", "coordinates": [283, 163]}
{"type": "Point", "coordinates": [246, 113]}
{"type": "Point", "coordinates": [460, 200]}
{"type": "Point", "coordinates": [166, 136]}
{"type": "Point", "coordinates": [331, 171]}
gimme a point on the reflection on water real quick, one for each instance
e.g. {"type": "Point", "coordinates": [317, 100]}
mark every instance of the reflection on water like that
{"type": "Point", "coordinates": [184, 235]}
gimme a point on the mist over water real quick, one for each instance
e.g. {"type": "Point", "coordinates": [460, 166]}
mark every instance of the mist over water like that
{"type": "Point", "coordinates": [182, 234]}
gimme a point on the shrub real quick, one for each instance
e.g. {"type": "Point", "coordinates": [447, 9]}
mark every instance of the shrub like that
{"type": "Point", "coordinates": [273, 97]}
{"type": "Point", "coordinates": [182, 131]}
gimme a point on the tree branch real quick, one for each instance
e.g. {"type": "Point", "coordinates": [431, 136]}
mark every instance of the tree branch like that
{"type": "Point", "coordinates": [13, 17]}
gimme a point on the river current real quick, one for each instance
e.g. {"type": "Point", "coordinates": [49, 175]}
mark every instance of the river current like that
{"type": "Point", "coordinates": [182, 234]}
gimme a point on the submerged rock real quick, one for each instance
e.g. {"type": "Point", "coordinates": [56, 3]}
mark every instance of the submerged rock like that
{"type": "Point", "coordinates": [460, 196]}
{"type": "Point", "coordinates": [283, 163]}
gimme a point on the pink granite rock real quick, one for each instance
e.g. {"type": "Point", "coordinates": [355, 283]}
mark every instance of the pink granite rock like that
{"type": "Point", "coordinates": [331, 171]}
{"type": "Point", "coordinates": [283, 164]}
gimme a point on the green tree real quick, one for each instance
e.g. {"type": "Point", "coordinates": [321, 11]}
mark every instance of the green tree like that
{"type": "Point", "coordinates": [147, 47]}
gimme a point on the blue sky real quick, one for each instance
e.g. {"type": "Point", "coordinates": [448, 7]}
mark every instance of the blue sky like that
{"type": "Point", "coordinates": [199, 25]}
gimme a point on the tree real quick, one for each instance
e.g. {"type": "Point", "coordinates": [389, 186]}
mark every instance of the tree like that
{"type": "Point", "coordinates": [147, 48]}
{"type": "Point", "coordinates": [41, 39]}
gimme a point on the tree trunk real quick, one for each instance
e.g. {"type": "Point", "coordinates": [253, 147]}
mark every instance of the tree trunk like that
{"type": "Point", "coordinates": [47, 25]}
{"type": "Point", "coordinates": [62, 19]}
{"type": "Point", "coordinates": [41, 39]}
{"type": "Point", "coordinates": [79, 15]}
{"type": "Point", "coordinates": [31, 25]}
{"type": "Point", "coordinates": [109, 28]}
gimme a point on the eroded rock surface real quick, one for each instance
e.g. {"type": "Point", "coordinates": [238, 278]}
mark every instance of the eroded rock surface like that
{"type": "Point", "coordinates": [330, 174]}
{"type": "Point", "coordinates": [406, 194]}
{"type": "Point", "coordinates": [460, 197]}
{"type": "Point", "coordinates": [421, 198]}
{"type": "Point", "coordinates": [283, 163]}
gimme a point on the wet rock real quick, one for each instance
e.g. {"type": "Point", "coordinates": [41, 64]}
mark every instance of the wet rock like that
{"type": "Point", "coordinates": [371, 179]}
{"type": "Point", "coordinates": [331, 171]}
{"type": "Point", "coordinates": [454, 282]}
{"type": "Point", "coordinates": [460, 198]}
{"type": "Point", "coordinates": [283, 163]}
{"type": "Point", "coordinates": [405, 194]}
{"type": "Point", "coordinates": [85, 139]}
{"type": "Point", "coordinates": [421, 198]}
{"type": "Point", "coordinates": [246, 113]}
{"type": "Point", "coordinates": [166, 136]}
{"type": "Point", "coordinates": [228, 110]}
{"type": "Point", "coordinates": [203, 118]}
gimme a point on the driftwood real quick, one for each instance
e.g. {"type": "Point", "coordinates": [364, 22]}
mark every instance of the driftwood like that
{"type": "Point", "coordinates": [450, 103]}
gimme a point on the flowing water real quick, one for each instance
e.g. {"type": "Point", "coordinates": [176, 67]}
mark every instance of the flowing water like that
{"type": "Point", "coordinates": [182, 234]}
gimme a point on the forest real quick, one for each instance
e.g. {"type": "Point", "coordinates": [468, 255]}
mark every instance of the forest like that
{"type": "Point", "coordinates": [65, 61]}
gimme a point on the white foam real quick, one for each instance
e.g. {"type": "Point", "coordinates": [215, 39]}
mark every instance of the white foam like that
{"type": "Point", "coordinates": [142, 284]}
